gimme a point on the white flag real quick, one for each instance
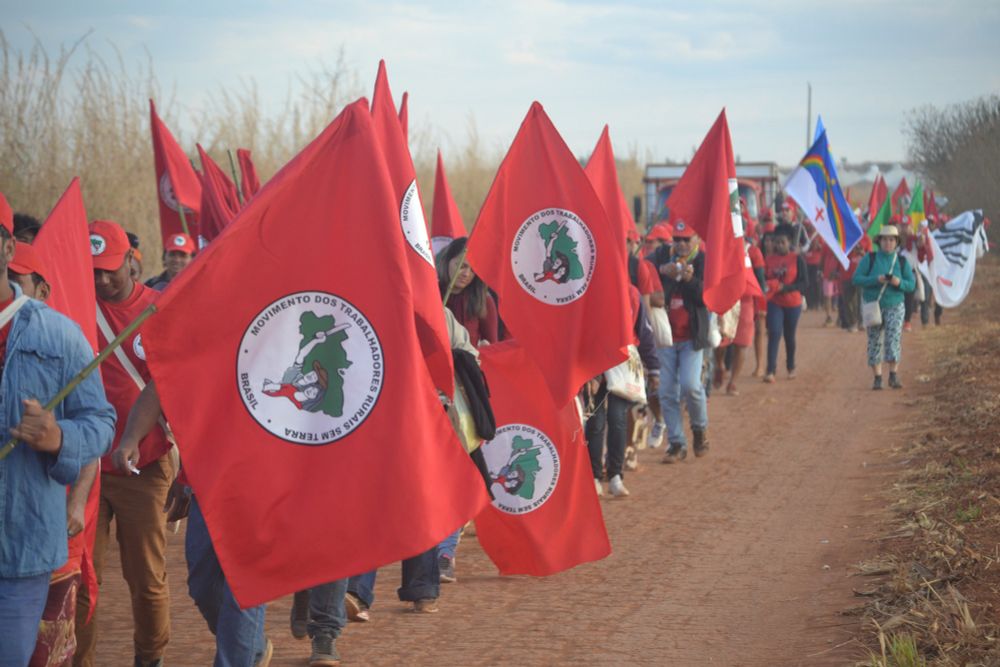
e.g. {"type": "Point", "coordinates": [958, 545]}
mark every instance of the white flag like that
{"type": "Point", "coordinates": [955, 247]}
{"type": "Point", "coordinates": [801, 186]}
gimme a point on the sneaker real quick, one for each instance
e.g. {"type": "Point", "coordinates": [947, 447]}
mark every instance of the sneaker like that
{"type": "Point", "coordinates": [599, 488]}
{"type": "Point", "coordinates": [425, 606]}
{"type": "Point", "coordinates": [300, 614]}
{"type": "Point", "coordinates": [769, 378]}
{"type": "Point", "coordinates": [631, 458]}
{"type": "Point", "coordinates": [877, 385]}
{"type": "Point", "coordinates": [356, 610]}
{"type": "Point", "coordinates": [139, 662]}
{"type": "Point", "coordinates": [907, 326]}
{"type": "Point", "coordinates": [894, 381]}
{"type": "Point", "coordinates": [617, 487]}
{"type": "Point", "coordinates": [324, 652]}
{"type": "Point", "coordinates": [791, 374]}
{"type": "Point", "coordinates": [828, 322]}
{"type": "Point", "coordinates": [655, 438]}
{"type": "Point", "coordinates": [446, 570]}
{"type": "Point", "coordinates": [265, 657]}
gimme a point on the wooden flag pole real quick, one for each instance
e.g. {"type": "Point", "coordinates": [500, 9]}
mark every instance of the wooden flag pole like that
{"type": "Point", "coordinates": [236, 178]}
{"type": "Point", "coordinates": [88, 369]}
{"type": "Point", "coordinates": [184, 224]}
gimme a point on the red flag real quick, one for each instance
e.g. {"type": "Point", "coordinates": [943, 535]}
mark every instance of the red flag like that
{"type": "Point", "coordinates": [930, 207]}
{"type": "Point", "coordinates": [176, 181]}
{"type": "Point", "coordinates": [707, 198]}
{"type": "Point", "coordinates": [603, 176]}
{"type": "Point", "coordinates": [308, 426]}
{"type": "Point", "coordinates": [902, 190]}
{"type": "Point", "coordinates": [427, 306]}
{"type": "Point", "coordinates": [63, 245]}
{"type": "Point", "coordinates": [219, 201]}
{"type": "Point", "coordinates": [879, 192]}
{"type": "Point", "coordinates": [544, 243]}
{"type": "Point", "coordinates": [446, 219]}
{"type": "Point", "coordinates": [545, 516]}
{"type": "Point", "coordinates": [249, 183]}
{"type": "Point", "coordinates": [404, 116]}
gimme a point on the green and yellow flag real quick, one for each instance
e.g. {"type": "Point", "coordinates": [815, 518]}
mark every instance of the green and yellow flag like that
{"type": "Point", "coordinates": [916, 210]}
{"type": "Point", "coordinates": [881, 218]}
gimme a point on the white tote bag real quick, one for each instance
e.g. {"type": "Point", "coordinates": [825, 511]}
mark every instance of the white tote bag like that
{"type": "Point", "coordinates": [662, 332]}
{"type": "Point", "coordinates": [626, 380]}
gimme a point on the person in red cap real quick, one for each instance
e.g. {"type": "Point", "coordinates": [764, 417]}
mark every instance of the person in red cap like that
{"type": "Point", "coordinates": [134, 499]}
{"type": "Point", "coordinates": [178, 250]}
{"type": "Point", "coordinates": [28, 271]}
{"type": "Point", "coordinates": [40, 352]}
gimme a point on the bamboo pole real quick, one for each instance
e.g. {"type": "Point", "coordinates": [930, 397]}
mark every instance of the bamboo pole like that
{"type": "Point", "coordinates": [88, 369]}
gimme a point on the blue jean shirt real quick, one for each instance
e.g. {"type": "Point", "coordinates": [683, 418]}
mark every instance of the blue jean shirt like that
{"type": "Point", "coordinates": [45, 350]}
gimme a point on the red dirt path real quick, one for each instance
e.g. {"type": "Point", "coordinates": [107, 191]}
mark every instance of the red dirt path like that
{"type": "Point", "coordinates": [743, 557]}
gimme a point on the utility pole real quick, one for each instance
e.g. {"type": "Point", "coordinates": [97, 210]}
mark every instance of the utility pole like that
{"type": "Point", "coordinates": [809, 115]}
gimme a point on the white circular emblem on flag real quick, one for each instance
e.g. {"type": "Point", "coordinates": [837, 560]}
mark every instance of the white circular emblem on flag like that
{"type": "Point", "coordinates": [137, 348]}
{"type": "Point", "coordinates": [310, 368]}
{"type": "Point", "coordinates": [97, 244]}
{"type": "Point", "coordinates": [411, 217]}
{"type": "Point", "coordinates": [553, 256]}
{"type": "Point", "coordinates": [524, 468]}
{"type": "Point", "coordinates": [168, 196]}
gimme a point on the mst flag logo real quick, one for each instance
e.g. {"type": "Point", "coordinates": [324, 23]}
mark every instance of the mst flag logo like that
{"type": "Point", "coordinates": [524, 468]}
{"type": "Point", "coordinates": [411, 217]}
{"type": "Point", "coordinates": [168, 196]}
{"type": "Point", "coordinates": [553, 256]}
{"type": "Point", "coordinates": [310, 368]}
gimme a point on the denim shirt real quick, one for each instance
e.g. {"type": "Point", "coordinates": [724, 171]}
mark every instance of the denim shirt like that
{"type": "Point", "coordinates": [45, 350]}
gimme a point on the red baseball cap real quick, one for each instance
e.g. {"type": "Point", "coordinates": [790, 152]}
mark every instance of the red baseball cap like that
{"type": "Point", "coordinates": [682, 230]}
{"type": "Point", "coordinates": [660, 232]}
{"type": "Point", "coordinates": [26, 260]}
{"type": "Point", "coordinates": [632, 235]}
{"type": "Point", "coordinates": [181, 242]}
{"type": "Point", "coordinates": [108, 245]}
{"type": "Point", "coordinates": [6, 215]}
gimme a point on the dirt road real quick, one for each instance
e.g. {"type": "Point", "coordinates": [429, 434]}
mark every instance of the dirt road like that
{"type": "Point", "coordinates": [740, 558]}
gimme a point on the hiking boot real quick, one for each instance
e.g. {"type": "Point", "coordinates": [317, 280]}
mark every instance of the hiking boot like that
{"type": "Point", "coordinates": [139, 662]}
{"type": "Point", "coordinates": [700, 442]}
{"type": "Point", "coordinates": [599, 488]}
{"type": "Point", "coordinates": [324, 652]}
{"type": "Point", "coordinates": [894, 381]}
{"type": "Point", "coordinates": [877, 385]}
{"type": "Point", "coordinates": [356, 610]}
{"type": "Point", "coordinates": [446, 570]}
{"type": "Point", "coordinates": [300, 614]}
{"type": "Point", "coordinates": [617, 487]}
{"type": "Point", "coordinates": [655, 437]}
{"type": "Point", "coordinates": [674, 454]}
{"type": "Point", "coordinates": [426, 606]}
{"type": "Point", "coordinates": [266, 655]}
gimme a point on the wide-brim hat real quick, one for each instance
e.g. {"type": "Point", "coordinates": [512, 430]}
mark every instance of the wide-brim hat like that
{"type": "Point", "coordinates": [889, 230]}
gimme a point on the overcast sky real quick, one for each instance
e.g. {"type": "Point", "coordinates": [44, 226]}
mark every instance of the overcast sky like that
{"type": "Point", "coordinates": [657, 72]}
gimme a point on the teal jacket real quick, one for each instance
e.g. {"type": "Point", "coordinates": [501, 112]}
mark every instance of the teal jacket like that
{"type": "Point", "coordinates": [868, 271]}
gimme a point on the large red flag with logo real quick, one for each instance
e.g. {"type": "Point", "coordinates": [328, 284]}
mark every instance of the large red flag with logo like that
{"type": "Point", "coordinates": [177, 184]}
{"type": "Point", "coordinates": [219, 201]}
{"type": "Point", "coordinates": [603, 176]}
{"type": "Point", "coordinates": [446, 219]}
{"type": "Point", "coordinates": [249, 182]}
{"type": "Point", "coordinates": [707, 198]}
{"type": "Point", "coordinates": [544, 243]}
{"type": "Point", "coordinates": [308, 426]}
{"type": "Point", "coordinates": [902, 190]}
{"type": "Point", "coordinates": [404, 115]}
{"type": "Point", "coordinates": [879, 192]}
{"type": "Point", "coordinates": [545, 516]}
{"type": "Point", "coordinates": [63, 245]}
{"type": "Point", "coordinates": [427, 306]}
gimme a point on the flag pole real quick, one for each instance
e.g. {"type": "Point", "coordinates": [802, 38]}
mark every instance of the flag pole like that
{"type": "Point", "coordinates": [184, 224]}
{"type": "Point", "coordinates": [236, 178]}
{"type": "Point", "coordinates": [88, 369]}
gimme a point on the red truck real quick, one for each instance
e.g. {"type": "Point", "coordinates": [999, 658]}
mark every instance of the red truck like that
{"type": "Point", "coordinates": [757, 183]}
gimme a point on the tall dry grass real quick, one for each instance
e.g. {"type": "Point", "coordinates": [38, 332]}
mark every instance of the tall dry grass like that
{"type": "Point", "coordinates": [80, 113]}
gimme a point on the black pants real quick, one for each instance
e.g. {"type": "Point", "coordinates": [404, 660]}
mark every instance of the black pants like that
{"type": "Point", "coordinates": [909, 306]}
{"type": "Point", "coordinates": [612, 416]}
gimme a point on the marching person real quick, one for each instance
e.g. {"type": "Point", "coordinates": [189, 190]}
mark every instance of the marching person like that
{"type": "Point", "coordinates": [134, 499]}
{"type": "Point", "coordinates": [178, 251]}
{"type": "Point", "coordinates": [885, 276]}
{"type": "Point", "coordinates": [785, 272]}
{"type": "Point", "coordinates": [681, 268]}
{"type": "Point", "coordinates": [40, 352]}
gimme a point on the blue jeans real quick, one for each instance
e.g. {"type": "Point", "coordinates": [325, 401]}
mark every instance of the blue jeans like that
{"type": "Point", "coordinates": [239, 633]}
{"type": "Point", "coordinates": [362, 586]}
{"type": "Point", "coordinates": [326, 608]}
{"type": "Point", "coordinates": [421, 577]}
{"type": "Point", "coordinates": [781, 322]}
{"type": "Point", "coordinates": [680, 377]}
{"type": "Point", "coordinates": [449, 545]}
{"type": "Point", "coordinates": [22, 601]}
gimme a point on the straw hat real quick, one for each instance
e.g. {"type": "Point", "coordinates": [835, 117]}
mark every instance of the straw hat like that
{"type": "Point", "coordinates": [889, 230]}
